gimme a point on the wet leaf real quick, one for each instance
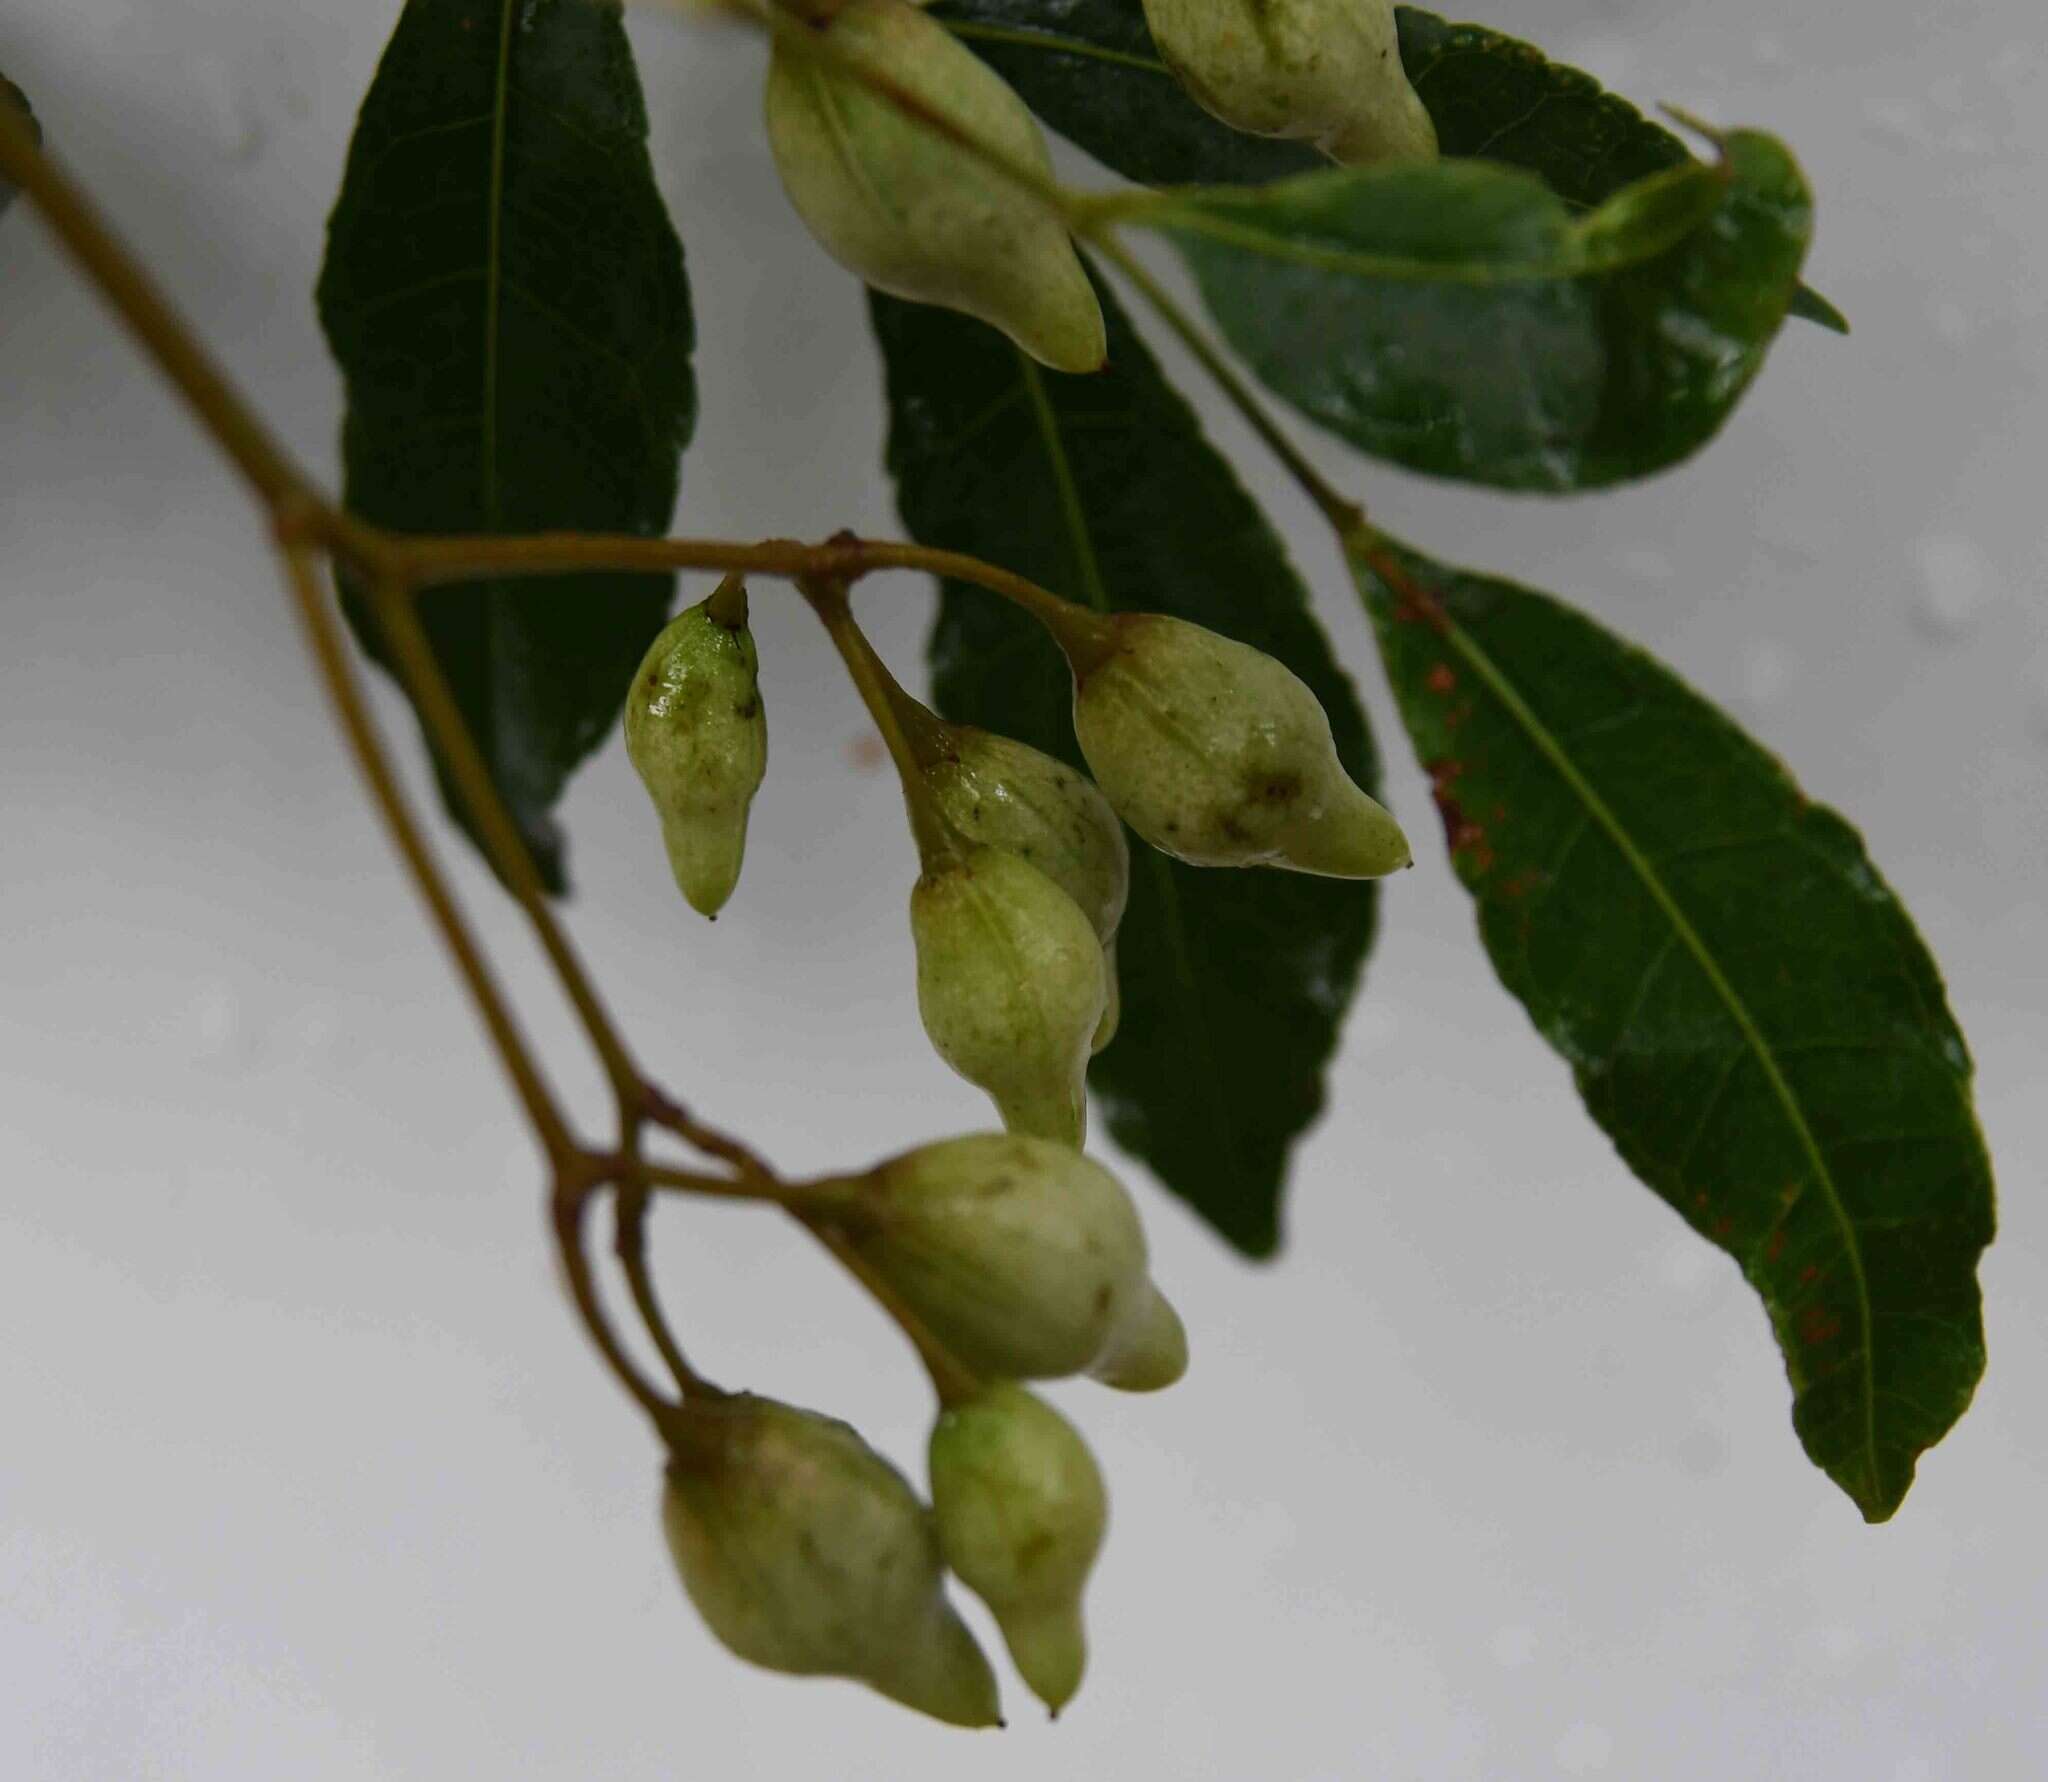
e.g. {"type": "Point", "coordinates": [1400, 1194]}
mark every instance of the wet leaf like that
{"type": "Point", "coordinates": [1458, 319]}
{"type": "Point", "coordinates": [1747, 1010]}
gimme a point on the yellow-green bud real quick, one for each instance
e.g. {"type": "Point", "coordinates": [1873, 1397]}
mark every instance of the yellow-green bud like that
{"type": "Point", "coordinates": [697, 734]}
{"type": "Point", "coordinates": [1011, 984]}
{"type": "Point", "coordinates": [1326, 71]}
{"type": "Point", "coordinates": [996, 790]}
{"type": "Point", "coordinates": [1021, 1257]}
{"type": "Point", "coordinates": [1220, 756]}
{"type": "Point", "coordinates": [1148, 1351]}
{"type": "Point", "coordinates": [1021, 1512]}
{"type": "Point", "coordinates": [913, 212]}
{"type": "Point", "coordinates": [805, 1551]}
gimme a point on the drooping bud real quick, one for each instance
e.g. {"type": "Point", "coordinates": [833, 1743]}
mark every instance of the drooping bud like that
{"type": "Point", "coordinates": [1008, 795]}
{"type": "Point", "coordinates": [807, 1552]}
{"type": "Point", "coordinates": [1148, 1351]}
{"type": "Point", "coordinates": [697, 734]}
{"type": "Point", "coordinates": [1221, 756]}
{"type": "Point", "coordinates": [914, 212]}
{"type": "Point", "coordinates": [1021, 1511]}
{"type": "Point", "coordinates": [1021, 1257]}
{"type": "Point", "coordinates": [1011, 984]}
{"type": "Point", "coordinates": [1324, 71]}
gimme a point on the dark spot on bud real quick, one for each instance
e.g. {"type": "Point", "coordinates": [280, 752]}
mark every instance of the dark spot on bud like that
{"type": "Point", "coordinates": [747, 709]}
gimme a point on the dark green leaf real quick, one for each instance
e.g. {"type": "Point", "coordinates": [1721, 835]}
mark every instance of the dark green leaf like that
{"type": "Point", "coordinates": [16, 100]}
{"type": "Point", "coordinates": [1491, 96]}
{"type": "Point", "coordinates": [507, 301]}
{"type": "Point", "coordinates": [1091, 70]}
{"type": "Point", "coordinates": [1102, 487]}
{"type": "Point", "coordinates": [1747, 1011]}
{"type": "Point", "coordinates": [1450, 317]}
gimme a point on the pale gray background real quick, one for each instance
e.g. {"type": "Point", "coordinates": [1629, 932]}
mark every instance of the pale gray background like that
{"type": "Point", "coordinates": [306, 1472]}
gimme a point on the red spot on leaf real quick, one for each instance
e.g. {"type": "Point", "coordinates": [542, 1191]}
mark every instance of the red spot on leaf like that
{"type": "Point", "coordinates": [1440, 679]}
{"type": "Point", "coordinates": [1461, 833]}
{"type": "Point", "coordinates": [1811, 1272]}
{"type": "Point", "coordinates": [1818, 1325]}
{"type": "Point", "coordinates": [1775, 1248]}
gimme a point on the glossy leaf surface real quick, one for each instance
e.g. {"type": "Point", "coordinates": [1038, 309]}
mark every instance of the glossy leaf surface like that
{"type": "Point", "coordinates": [1747, 1011]}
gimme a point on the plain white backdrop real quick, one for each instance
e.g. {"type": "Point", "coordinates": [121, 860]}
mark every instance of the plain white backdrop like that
{"type": "Point", "coordinates": [306, 1471]}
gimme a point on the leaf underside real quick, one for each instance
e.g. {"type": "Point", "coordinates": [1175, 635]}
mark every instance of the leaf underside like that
{"type": "Point", "coordinates": [1476, 361]}
{"type": "Point", "coordinates": [506, 298]}
{"type": "Point", "coordinates": [1090, 69]}
{"type": "Point", "coordinates": [1103, 488]}
{"type": "Point", "coordinates": [1747, 1011]}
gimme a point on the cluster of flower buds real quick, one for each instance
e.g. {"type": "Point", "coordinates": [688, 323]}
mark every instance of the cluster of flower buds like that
{"type": "Point", "coordinates": [1014, 917]}
{"type": "Point", "coordinates": [1212, 751]}
{"type": "Point", "coordinates": [806, 1552]}
{"type": "Point", "coordinates": [1009, 1257]}
{"type": "Point", "coordinates": [911, 207]}
{"type": "Point", "coordinates": [698, 737]}
{"type": "Point", "coordinates": [1327, 71]}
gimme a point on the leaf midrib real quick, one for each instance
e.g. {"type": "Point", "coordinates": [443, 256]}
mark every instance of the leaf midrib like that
{"type": "Point", "coordinates": [1504, 690]}
{"type": "Point", "coordinates": [494, 295]}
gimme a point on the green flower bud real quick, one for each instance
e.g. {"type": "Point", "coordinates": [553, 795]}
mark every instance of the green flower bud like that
{"type": "Point", "coordinates": [996, 790]}
{"type": "Point", "coordinates": [1011, 984]}
{"type": "Point", "coordinates": [1220, 756]}
{"type": "Point", "coordinates": [1327, 71]}
{"type": "Point", "coordinates": [807, 1552]}
{"type": "Point", "coordinates": [1021, 1257]}
{"type": "Point", "coordinates": [696, 732]}
{"type": "Point", "coordinates": [1148, 1351]}
{"type": "Point", "coordinates": [1021, 1511]}
{"type": "Point", "coordinates": [914, 213]}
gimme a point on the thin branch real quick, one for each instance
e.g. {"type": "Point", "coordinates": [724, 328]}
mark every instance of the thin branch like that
{"type": "Point", "coordinates": [571, 1201]}
{"type": "Point", "coordinates": [629, 1242]}
{"type": "Point", "coordinates": [422, 561]}
{"type": "Point", "coordinates": [330, 656]}
{"type": "Point", "coordinates": [150, 318]}
{"type": "Point", "coordinates": [952, 1379]}
{"type": "Point", "coordinates": [435, 700]}
{"type": "Point", "coordinates": [1345, 516]}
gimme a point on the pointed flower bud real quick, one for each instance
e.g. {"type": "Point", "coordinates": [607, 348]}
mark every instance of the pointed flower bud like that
{"type": "Point", "coordinates": [914, 213]}
{"type": "Point", "coordinates": [807, 1552]}
{"type": "Point", "coordinates": [1011, 985]}
{"type": "Point", "coordinates": [1022, 1257]}
{"type": "Point", "coordinates": [1001, 792]}
{"type": "Point", "coordinates": [1220, 756]}
{"type": "Point", "coordinates": [1148, 1351]}
{"type": "Point", "coordinates": [1021, 1511]}
{"type": "Point", "coordinates": [1327, 71]}
{"type": "Point", "coordinates": [696, 732]}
